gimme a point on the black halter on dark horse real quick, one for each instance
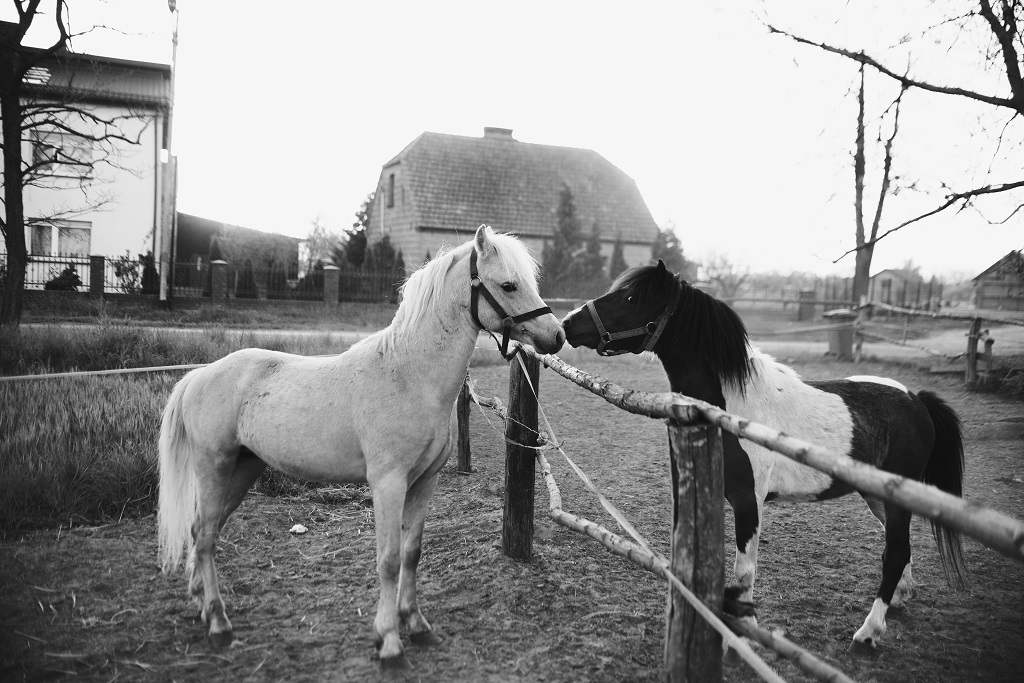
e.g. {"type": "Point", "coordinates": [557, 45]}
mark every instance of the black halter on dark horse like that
{"type": "Point", "coordinates": [706, 355]}
{"type": "Point", "coordinates": [702, 333]}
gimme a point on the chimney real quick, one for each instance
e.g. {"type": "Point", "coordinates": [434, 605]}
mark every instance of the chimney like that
{"type": "Point", "coordinates": [492, 133]}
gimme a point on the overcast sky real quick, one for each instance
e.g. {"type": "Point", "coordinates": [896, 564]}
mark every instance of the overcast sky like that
{"type": "Point", "coordinates": [285, 112]}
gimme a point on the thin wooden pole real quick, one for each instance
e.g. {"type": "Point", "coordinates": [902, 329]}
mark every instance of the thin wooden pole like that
{"type": "Point", "coordinates": [693, 649]}
{"type": "Point", "coordinates": [972, 351]}
{"type": "Point", "coordinates": [520, 459]}
{"type": "Point", "coordinates": [989, 361]}
{"type": "Point", "coordinates": [465, 459]}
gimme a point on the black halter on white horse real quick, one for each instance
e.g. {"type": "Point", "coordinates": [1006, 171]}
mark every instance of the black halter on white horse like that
{"type": "Point", "coordinates": [507, 321]}
{"type": "Point", "coordinates": [651, 331]}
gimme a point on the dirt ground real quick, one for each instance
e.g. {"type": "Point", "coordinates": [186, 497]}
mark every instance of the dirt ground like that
{"type": "Point", "coordinates": [90, 604]}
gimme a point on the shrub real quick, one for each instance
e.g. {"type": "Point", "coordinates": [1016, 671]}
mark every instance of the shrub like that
{"type": "Point", "coordinates": [67, 281]}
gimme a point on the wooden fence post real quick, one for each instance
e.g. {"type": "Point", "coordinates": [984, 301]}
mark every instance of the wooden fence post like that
{"type": "Point", "coordinates": [520, 460]}
{"type": "Point", "coordinates": [464, 464]}
{"type": "Point", "coordinates": [989, 361]}
{"type": "Point", "coordinates": [693, 649]}
{"type": "Point", "coordinates": [972, 351]}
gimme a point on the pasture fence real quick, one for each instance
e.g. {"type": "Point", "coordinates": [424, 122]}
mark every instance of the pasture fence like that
{"type": "Point", "coordinates": [694, 646]}
{"type": "Point", "coordinates": [974, 335]}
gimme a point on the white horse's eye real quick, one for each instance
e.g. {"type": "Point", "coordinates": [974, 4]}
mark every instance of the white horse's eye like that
{"type": "Point", "coordinates": [509, 286]}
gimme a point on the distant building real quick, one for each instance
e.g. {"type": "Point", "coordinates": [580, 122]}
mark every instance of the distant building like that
{"type": "Point", "coordinates": [265, 255]}
{"type": "Point", "coordinates": [1001, 285]}
{"type": "Point", "coordinates": [441, 187]}
{"type": "Point", "coordinates": [897, 287]}
{"type": "Point", "coordinates": [97, 196]}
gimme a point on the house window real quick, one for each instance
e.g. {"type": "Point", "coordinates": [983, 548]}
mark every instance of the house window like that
{"type": "Point", "coordinates": [63, 238]}
{"type": "Point", "coordinates": [62, 154]}
{"type": "Point", "coordinates": [391, 190]}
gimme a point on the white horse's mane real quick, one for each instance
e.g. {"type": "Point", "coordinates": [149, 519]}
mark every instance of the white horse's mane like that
{"type": "Point", "coordinates": [425, 289]}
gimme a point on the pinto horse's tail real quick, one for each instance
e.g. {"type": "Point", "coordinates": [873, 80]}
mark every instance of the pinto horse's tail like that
{"type": "Point", "coordinates": [177, 505]}
{"type": "Point", "coordinates": [945, 470]}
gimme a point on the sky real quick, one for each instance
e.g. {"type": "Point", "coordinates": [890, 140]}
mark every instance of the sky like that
{"type": "Point", "coordinates": [741, 140]}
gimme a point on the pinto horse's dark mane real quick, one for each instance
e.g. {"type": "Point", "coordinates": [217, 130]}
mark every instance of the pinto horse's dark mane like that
{"type": "Point", "coordinates": [703, 328]}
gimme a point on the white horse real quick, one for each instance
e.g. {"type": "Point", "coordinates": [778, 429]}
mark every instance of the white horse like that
{"type": "Point", "coordinates": [382, 413]}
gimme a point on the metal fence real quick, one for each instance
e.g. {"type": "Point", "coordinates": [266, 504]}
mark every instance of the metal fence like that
{"type": "Point", "coordinates": [69, 272]}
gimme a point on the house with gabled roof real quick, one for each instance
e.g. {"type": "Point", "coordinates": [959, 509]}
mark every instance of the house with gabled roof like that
{"type": "Point", "coordinates": [441, 187]}
{"type": "Point", "coordinates": [96, 151]}
{"type": "Point", "coordinates": [1001, 285]}
{"type": "Point", "coordinates": [896, 286]}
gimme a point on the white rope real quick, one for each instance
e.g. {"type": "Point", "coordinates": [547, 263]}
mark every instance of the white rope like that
{"type": "Point", "coordinates": [729, 639]}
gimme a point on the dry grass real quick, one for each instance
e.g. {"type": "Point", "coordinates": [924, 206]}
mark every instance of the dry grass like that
{"type": "Point", "coordinates": [83, 449]}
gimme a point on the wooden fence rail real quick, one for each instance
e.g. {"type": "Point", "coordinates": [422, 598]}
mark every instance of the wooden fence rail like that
{"type": "Point", "coordinates": [693, 645]}
{"type": "Point", "coordinates": [992, 528]}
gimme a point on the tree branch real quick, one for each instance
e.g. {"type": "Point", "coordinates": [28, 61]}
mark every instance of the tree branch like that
{"type": "Point", "coordinates": [951, 199]}
{"type": "Point", "coordinates": [1015, 103]}
{"type": "Point", "coordinates": [886, 169]}
{"type": "Point", "coordinates": [1005, 35]}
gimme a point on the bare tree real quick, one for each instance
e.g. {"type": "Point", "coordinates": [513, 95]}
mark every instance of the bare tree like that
{"type": "Point", "coordinates": [866, 242]}
{"type": "Point", "coordinates": [48, 117]}
{"type": "Point", "coordinates": [1002, 22]}
{"type": "Point", "coordinates": [726, 275]}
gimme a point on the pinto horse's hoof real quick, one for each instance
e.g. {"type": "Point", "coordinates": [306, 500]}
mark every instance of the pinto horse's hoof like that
{"type": "Point", "coordinates": [397, 663]}
{"type": "Point", "coordinates": [222, 639]}
{"type": "Point", "coordinates": [862, 648]}
{"type": "Point", "coordinates": [425, 638]}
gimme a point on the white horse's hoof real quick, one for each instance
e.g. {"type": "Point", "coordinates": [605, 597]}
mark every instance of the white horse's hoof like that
{"type": "Point", "coordinates": [397, 663]}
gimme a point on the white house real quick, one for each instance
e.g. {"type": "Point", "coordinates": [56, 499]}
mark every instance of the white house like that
{"type": "Point", "coordinates": [97, 158]}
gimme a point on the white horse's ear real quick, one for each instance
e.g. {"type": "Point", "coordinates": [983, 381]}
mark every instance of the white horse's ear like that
{"type": "Point", "coordinates": [482, 239]}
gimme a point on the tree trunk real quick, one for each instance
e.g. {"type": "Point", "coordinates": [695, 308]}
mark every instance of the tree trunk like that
{"type": "Point", "coordinates": [14, 220]}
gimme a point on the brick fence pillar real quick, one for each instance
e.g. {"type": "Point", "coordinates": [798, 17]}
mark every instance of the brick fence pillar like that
{"type": "Point", "coordinates": [218, 280]}
{"type": "Point", "coordinates": [332, 276]}
{"type": "Point", "coordinates": [97, 264]}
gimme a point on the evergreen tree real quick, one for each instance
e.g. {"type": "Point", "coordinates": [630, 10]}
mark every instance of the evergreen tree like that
{"type": "Point", "coordinates": [384, 255]}
{"type": "Point", "coordinates": [355, 248]}
{"type": "Point", "coordinates": [618, 260]}
{"type": "Point", "coordinates": [362, 221]}
{"type": "Point", "coordinates": [559, 254]}
{"type": "Point", "coordinates": [669, 249]}
{"type": "Point", "coordinates": [591, 261]}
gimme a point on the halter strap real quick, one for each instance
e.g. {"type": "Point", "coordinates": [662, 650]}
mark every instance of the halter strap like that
{"type": "Point", "coordinates": [652, 330]}
{"type": "Point", "coordinates": [507, 321]}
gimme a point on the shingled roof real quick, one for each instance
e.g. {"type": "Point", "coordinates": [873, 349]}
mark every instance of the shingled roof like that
{"type": "Point", "coordinates": [458, 181]}
{"type": "Point", "coordinates": [73, 77]}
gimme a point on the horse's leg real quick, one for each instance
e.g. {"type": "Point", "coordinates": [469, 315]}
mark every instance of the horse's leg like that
{"type": "Point", "coordinates": [907, 587]}
{"type": "Point", "coordinates": [417, 501]}
{"type": "Point", "coordinates": [248, 468]}
{"type": "Point", "coordinates": [894, 560]}
{"type": "Point", "coordinates": [388, 503]}
{"type": "Point", "coordinates": [741, 492]}
{"type": "Point", "coordinates": [223, 481]}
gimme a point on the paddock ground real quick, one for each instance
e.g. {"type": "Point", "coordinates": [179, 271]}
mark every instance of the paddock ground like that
{"type": "Point", "coordinates": [90, 603]}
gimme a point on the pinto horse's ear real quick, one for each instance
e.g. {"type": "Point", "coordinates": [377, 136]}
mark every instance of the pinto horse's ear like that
{"type": "Point", "coordinates": [482, 239]}
{"type": "Point", "coordinates": [661, 267]}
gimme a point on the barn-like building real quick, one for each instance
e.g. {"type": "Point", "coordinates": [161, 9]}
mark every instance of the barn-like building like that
{"type": "Point", "coordinates": [441, 187]}
{"type": "Point", "coordinates": [1001, 285]}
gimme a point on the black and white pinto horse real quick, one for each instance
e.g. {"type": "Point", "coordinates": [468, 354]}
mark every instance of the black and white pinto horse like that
{"type": "Point", "coordinates": [703, 347]}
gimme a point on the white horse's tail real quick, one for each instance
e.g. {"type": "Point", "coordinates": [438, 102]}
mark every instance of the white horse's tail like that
{"type": "Point", "coordinates": [177, 504]}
